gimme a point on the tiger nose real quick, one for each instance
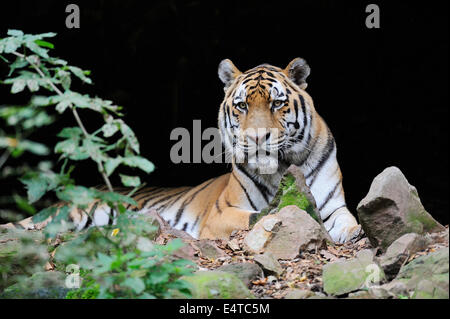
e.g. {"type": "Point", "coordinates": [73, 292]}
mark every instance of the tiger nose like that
{"type": "Point", "coordinates": [258, 137]}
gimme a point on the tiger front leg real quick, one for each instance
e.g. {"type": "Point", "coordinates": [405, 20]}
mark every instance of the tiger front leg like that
{"type": "Point", "coordinates": [221, 224]}
{"type": "Point", "coordinates": [342, 226]}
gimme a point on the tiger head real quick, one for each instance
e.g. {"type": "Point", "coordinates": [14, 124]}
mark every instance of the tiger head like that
{"type": "Point", "coordinates": [262, 118]}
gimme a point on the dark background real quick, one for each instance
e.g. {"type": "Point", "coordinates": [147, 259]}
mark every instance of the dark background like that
{"type": "Point", "coordinates": [383, 92]}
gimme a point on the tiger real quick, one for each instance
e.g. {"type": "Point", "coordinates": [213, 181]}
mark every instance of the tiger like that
{"type": "Point", "coordinates": [266, 109]}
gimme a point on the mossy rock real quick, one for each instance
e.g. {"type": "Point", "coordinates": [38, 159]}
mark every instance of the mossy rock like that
{"type": "Point", "coordinates": [42, 285]}
{"type": "Point", "coordinates": [427, 276]}
{"type": "Point", "coordinates": [21, 254]}
{"type": "Point", "coordinates": [344, 276]}
{"type": "Point", "coordinates": [216, 285]}
{"type": "Point", "coordinates": [291, 191]}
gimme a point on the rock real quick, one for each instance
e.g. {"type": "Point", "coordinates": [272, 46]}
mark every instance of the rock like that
{"type": "Point", "coordinates": [269, 264]}
{"type": "Point", "coordinates": [427, 276]}
{"type": "Point", "coordinates": [298, 294]}
{"type": "Point", "coordinates": [292, 191]}
{"type": "Point", "coordinates": [259, 236]}
{"type": "Point", "coordinates": [21, 253]}
{"type": "Point", "coordinates": [392, 208]}
{"type": "Point", "coordinates": [186, 252]}
{"type": "Point", "coordinates": [298, 232]}
{"type": "Point", "coordinates": [400, 250]}
{"type": "Point", "coordinates": [216, 285]}
{"type": "Point", "coordinates": [272, 279]}
{"type": "Point", "coordinates": [164, 227]}
{"type": "Point", "coordinates": [396, 287]}
{"type": "Point", "coordinates": [209, 249]}
{"type": "Point", "coordinates": [233, 244]}
{"type": "Point", "coordinates": [247, 272]}
{"type": "Point", "coordinates": [344, 276]}
{"type": "Point", "coordinates": [42, 285]}
{"type": "Point", "coordinates": [360, 295]}
{"type": "Point", "coordinates": [319, 295]}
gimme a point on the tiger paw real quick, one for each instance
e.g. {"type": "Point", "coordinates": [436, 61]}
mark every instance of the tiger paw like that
{"type": "Point", "coordinates": [342, 226]}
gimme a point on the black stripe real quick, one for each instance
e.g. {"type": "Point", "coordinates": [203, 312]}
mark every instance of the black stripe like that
{"type": "Point", "coordinates": [305, 122]}
{"type": "Point", "coordinates": [165, 198]}
{"type": "Point", "coordinates": [153, 195]}
{"type": "Point", "coordinates": [245, 191]}
{"type": "Point", "coordinates": [218, 208]}
{"type": "Point", "coordinates": [111, 216]}
{"type": "Point", "coordinates": [328, 217]}
{"type": "Point", "coordinates": [329, 149]}
{"type": "Point", "coordinates": [173, 201]}
{"type": "Point", "coordinates": [309, 150]}
{"type": "Point", "coordinates": [197, 219]}
{"type": "Point", "coordinates": [261, 187]}
{"type": "Point", "coordinates": [329, 196]}
{"type": "Point", "coordinates": [187, 202]}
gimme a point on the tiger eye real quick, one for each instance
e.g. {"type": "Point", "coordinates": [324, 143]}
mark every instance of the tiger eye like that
{"type": "Point", "coordinates": [242, 105]}
{"type": "Point", "coordinates": [277, 103]}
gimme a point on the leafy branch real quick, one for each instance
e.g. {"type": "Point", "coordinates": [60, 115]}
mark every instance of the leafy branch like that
{"type": "Point", "coordinates": [35, 70]}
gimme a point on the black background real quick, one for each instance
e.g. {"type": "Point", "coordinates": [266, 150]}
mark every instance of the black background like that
{"type": "Point", "coordinates": [383, 92]}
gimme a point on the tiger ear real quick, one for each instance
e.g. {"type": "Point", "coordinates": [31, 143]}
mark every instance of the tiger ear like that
{"type": "Point", "coordinates": [298, 71]}
{"type": "Point", "coordinates": [228, 72]}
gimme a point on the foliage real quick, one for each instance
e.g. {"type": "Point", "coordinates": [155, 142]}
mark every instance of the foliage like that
{"type": "Point", "coordinates": [117, 261]}
{"type": "Point", "coordinates": [38, 71]}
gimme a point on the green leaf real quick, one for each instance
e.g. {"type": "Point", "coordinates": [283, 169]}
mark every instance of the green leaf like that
{"type": "Point", "coordinates": [44, 214]}
{"type": "Point", "coordinates": [70, 132]}
{"type": "Point", "coordinates": [94, 150]}
{"type": "Point", "coordinates": [11, 45]}
{"type": "Point", "coordinates": [15, 33]}
{"type": "Point", "coordinates": [33, 85]}
{"type": "Point", "coordinates": [30, 44]}
{"type": "Point", "coordinates": [158, 277]}
{"type": "Point", "coordinates": [45, 44]}
{"type": "Point", "coordinates": [80, 74]}
{"type": "Point", "coordinates": [36, 187]}
{"type": "Point", "coordinates": [111, 164]}
{"type": "Point", "coordinates": [24, 205]}
{"type": "Point", "coordinates": [63, 214]}
{"type": "Point", "coordinates": [112, 198]}
{"type": "Point", "coordinates": [139, 162]}
{"type": "Point", "coordinates": [130, 181]}
{"type": "Point", "coordinates": [65, 79]}
{"type": "Point", "coordinates": [18, 64]}
{"type": "Point", "coordinates": [78, 195]}
{"type": "Point", "coordinates": [62, 106]}
{"type": "Point", "coordinates": [109, 129]}
{"type": "Point", "coordinates": [134, 283]}
{"type": "Point", "coordinates": [130, 136]}
{"type": "Point", "coordinates": [33, 147]}
{"type": "Point", "coordinates": [18, 86]}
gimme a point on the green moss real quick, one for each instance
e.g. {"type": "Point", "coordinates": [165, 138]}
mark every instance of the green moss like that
{"type": "Point", "coordinates": [287, 194]}
{"type": "Point", "coordinates": [292, 196]}
{"type": "Point", "coordinates": [217, 285]}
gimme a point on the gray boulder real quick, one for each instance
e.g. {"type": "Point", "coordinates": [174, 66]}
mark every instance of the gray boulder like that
{"type": "Point", "coordinates": [42, 285]}
{"type": "Point", "coordinates": [344, 276]}
{"type": "Point", "coordinates": [286, 233]}
{"type": "Point", "coordinates": [427, 277]}
{"type": "Point", "coordinates": [216, 285]}
{"type": "Point", "coordinates": [399, 251]}
{"type": "Point", "coordinates": [247, 272]}
{"type": "Point", "coordinates": [392, 208]}
{"type": "Point", "coordinates": [269, 264]}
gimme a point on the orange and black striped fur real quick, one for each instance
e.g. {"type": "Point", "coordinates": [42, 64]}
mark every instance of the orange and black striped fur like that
{"type": "Point", "coordinates": [265, 108]}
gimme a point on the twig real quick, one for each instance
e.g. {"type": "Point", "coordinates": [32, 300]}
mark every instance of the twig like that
{"type": "Point", "coordinates": [4, 157]}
